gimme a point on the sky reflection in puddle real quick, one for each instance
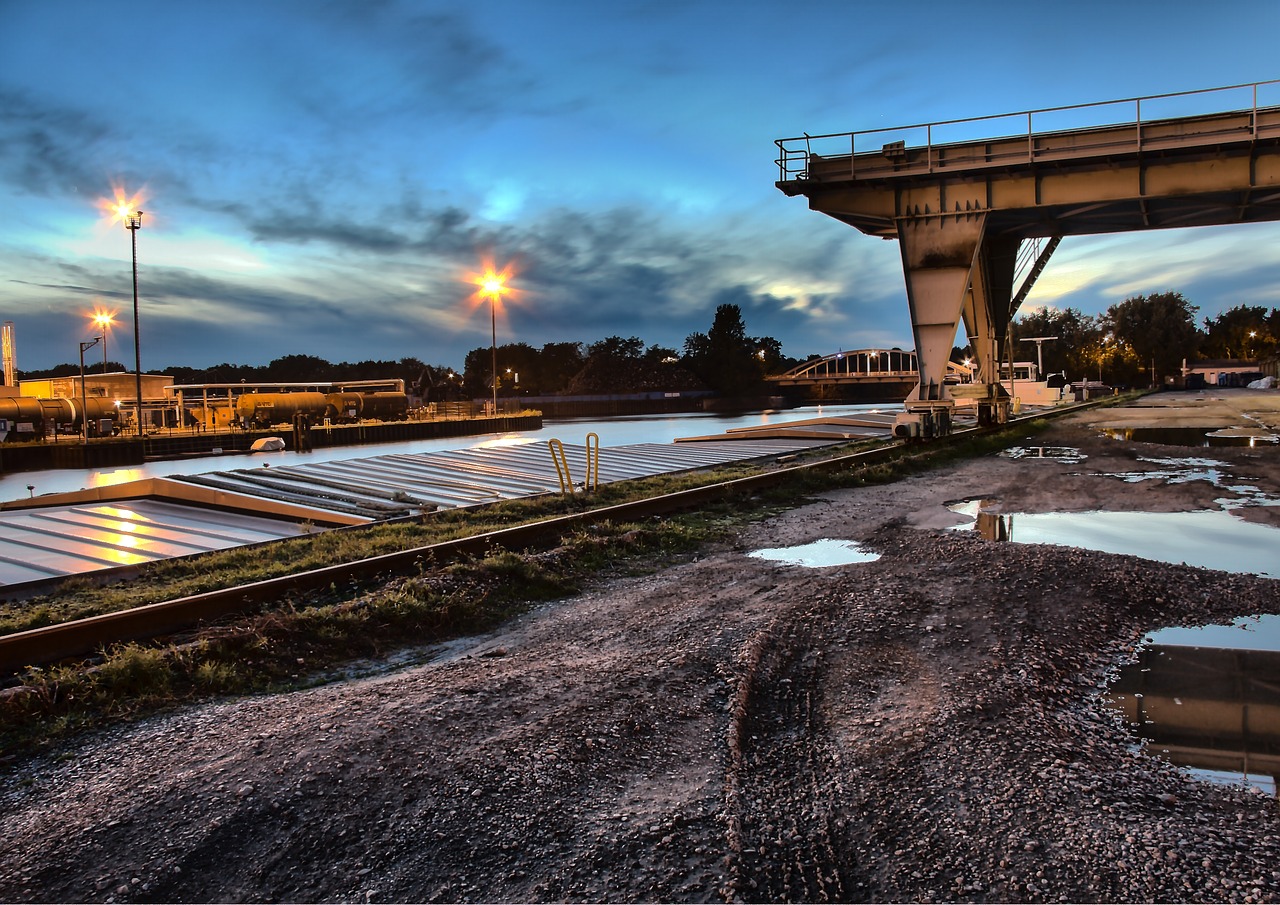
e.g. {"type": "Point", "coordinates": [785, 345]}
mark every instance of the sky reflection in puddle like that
{"type": "Point", "coordinates": [819, 554]}
{"type": "Point", "coordinates": [1206, 538]}
{"type": "Point", "coordinates": [1057, 453]}
{"type": "Point", "coordinates": [1244, 633]}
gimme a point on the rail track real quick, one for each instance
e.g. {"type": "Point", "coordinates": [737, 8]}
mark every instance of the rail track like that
{"type": "Point", "coordinates": [82, 637]}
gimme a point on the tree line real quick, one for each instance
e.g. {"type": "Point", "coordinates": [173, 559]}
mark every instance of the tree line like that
{"type": "Point", "coordinates": [1143, 339]}
{"type": "Point", "coordinates": [724, 360]}
{"type": "Point", "coordinates": [1135, 342]}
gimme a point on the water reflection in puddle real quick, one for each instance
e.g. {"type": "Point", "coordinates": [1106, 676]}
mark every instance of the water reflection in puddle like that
{"type": "Point", "coordinates": [1193, 436]}
{"type": "Point", "coordinates": [1057, 453]}
{"type": "Point", "coordinates": [1215, 711]}
{"type": "Point", "coordinates": [819, 554]}
{"type": "Point", "coordinates": [1206, 538]}
{"type": "Point", "coordinates": [1187, 470]}
{"type": "Point", "coordinates": [1244, 633]}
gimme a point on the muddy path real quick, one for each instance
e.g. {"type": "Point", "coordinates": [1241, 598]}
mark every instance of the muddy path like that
{"type": "Point", "coordinates": [924, 726]}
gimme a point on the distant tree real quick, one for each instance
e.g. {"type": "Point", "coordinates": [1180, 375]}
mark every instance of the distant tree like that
{"type": "Point", "coordinates": [769, 351]}
{"type": "Point", "coordinates": [661, 355]}
{"type": "Point", "coordinates": [1073, 353]}
{"type": "Point", "coordinates": [724, 358]}
{"type": "Point", "coordinates": [1156, 332]}
{"type": "Point", "coordinates": [557, 365]}
{"type": "Point", "coordinates": [616, 348]}
{"type": "Point", "coordinates": [623, 365]}
{"type": "Point", "coordinates": [299, 369]}
{"type": "Point", "coordinates": [1245, 332]}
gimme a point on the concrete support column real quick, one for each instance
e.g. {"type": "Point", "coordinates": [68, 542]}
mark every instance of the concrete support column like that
{"type": "Point", "coordinates": [938, 256]}
{"type": "Point", "coordinates": [986, 309]}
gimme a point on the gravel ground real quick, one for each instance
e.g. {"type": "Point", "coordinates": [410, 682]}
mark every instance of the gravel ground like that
{"type": "Point", "coordinates": [926, 726]}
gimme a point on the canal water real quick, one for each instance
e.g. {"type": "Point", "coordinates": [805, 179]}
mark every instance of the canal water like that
{"type": "Point", "coordinates": [624, 431]}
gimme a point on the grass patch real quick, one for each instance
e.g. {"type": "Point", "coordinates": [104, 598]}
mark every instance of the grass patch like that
{"type": "Point", "coordinates": [299, 642]}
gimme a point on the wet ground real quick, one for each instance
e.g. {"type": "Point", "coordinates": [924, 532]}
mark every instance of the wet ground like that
{"type": "Point", "coordinates": [931, 725]}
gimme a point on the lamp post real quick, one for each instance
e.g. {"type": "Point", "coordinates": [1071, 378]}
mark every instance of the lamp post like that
{"type": "Point", "coordinates": [133, 223]}
{"type": "Point", "coordinates": [493, 285]}
{"type": "Point", "coordinates": [84, 400]}
{"type": "Point", "coordinates": [104, 322]}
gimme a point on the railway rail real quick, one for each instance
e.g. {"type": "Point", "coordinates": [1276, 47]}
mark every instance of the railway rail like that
{"type": "Point", "coordinates": [82, 637]}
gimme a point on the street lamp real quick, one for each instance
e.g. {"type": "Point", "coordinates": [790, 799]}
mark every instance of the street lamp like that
{"type": "Point", "coordinates": [133, 223]}
{"type": "Point", "coordinates": [104, 322]}
{"type": "Point", "coordinates": [493, 285]}
{"type": "Point", "coordinates": [84, 400]}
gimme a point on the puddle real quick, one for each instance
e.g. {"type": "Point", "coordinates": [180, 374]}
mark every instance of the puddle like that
{"type": "Point", "coordinates": [1057, 453]}
{"type": "Point", "coordinates": [1244, 633]}
{"type": "Point", "coordinates": [819, 554]}
{"type": "Point", "coordinates": [1214, 711]}
{"type": "Point", "coordinates": [1193, 436]}
{"type": "Point", "coordinates": [1210, 539]}
{"type": "Point", "coordinates": [1186, 470]}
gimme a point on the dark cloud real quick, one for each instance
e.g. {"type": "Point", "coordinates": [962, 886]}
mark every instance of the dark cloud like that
{"type": "Point", "coordinates": [47, 148]}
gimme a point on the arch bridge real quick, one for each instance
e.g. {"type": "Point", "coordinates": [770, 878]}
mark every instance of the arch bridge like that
{"type": "Point", "coordinates": [864, 367]}
{"type": "Point", "coordinates": [978, 205]}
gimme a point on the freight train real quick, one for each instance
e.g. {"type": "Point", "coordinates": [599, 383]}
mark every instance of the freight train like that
{"type": "Point", "coordinates": [266, 409]}
{"type": "Point", "coordinates": [28, 418]}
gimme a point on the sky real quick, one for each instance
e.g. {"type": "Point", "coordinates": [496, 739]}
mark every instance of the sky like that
{"type": "Point", "coordinates": [326, 177]}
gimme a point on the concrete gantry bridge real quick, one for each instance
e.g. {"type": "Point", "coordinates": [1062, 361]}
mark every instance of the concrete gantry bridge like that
{"type": "Point", "coordinates": [870, 368]}
{"type": "Point", "coordinates": [978, 205]}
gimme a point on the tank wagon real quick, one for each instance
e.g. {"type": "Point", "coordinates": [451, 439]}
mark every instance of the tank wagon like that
{"type": "Point", "coordinates": [30, 418]}
{"type": "Point", "coordinates": [266, 409]}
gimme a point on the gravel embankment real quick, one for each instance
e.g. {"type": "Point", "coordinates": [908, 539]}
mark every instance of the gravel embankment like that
{"type": "Point", "coordinates": [923, 727]}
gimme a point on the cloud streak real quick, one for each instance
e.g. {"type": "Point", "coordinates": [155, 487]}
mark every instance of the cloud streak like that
{"type": "Point", "coordinates": [323, 175]}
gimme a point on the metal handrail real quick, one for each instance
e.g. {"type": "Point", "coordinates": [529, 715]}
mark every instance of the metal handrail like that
{"type": "Point", "coordinates": [789, 155]}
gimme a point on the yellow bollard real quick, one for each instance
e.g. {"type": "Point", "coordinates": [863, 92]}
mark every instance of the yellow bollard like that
{"type": "Point", "coordinates": [562, 465]}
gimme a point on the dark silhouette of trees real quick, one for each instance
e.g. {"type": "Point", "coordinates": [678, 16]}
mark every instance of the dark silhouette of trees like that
{"type": "Point", "coordinates": [1074, 352]}
{"type": "Point", "coordinates": [1245, 332]}
{"type": "Point", "coordinates": [1152, 334]}
{"type": "Point", "coordinates": [725, 358]}
{"type": "Point", "coordinates": [617, 365]}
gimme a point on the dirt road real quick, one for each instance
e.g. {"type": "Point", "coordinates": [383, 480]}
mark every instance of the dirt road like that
{"type": "Point", "coordinates": [926, 726]}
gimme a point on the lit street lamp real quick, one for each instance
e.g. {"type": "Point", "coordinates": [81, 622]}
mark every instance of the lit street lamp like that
{"type": "Point", "coordinates": [84, 401]}
{"type": "Point", "coordinates": [104, 321]}
{"type": "Point", "coordinates": [493, 285]}
{"type": "Point", "coordinates": [133, 223]}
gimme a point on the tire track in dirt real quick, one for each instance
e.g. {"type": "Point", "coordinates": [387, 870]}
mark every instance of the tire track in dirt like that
{"type": "Point", "coordinates": [780, 790]}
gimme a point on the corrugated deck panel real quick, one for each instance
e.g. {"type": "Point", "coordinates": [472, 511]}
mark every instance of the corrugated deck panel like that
{"type": "Point", "coordinates": [42, 543]}
{"type": "Point", "coordinates": [384, 486]}
{"type": "Point", "coordinates": [68, 540]}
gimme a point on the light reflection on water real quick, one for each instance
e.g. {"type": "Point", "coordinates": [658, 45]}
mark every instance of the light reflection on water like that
{"type": "Point", "coordinates": [1194, 436]}
{"type": "Point", "coordinates": [1210, 539]}
{"type": "Point", "coordinates": [819, 554]}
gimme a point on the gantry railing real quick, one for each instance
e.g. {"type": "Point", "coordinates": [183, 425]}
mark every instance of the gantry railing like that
{"type": "Point", "coordinates": [1235, 113]}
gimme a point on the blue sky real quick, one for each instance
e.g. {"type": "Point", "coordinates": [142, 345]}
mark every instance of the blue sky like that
{"type": "Point", "coordinates": [321, 176]}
